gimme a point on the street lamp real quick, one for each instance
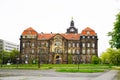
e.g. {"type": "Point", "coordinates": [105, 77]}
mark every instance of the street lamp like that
{"type": "Point", "coordinates": [17, 61]}
{"type": "Point", "coordinates": [78, 61]}
{"type": "Point", "coordinates": [39, 58]}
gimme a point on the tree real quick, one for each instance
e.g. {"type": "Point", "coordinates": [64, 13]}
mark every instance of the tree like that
{"type": "Point", "coordinates": [5, 56]}
{"type": "Point", "coordinates": [69, 58]}
{"type": "Point", "coordinates": [105, 57]}
{"type": "Point", "coordinates": [14, 54]}
{"type": "Point", "coordinates": [95, 59]}
{"type": "Point", "coordinates": [112, 56]}
{"type": "Point", "coordinates": [115, 34]}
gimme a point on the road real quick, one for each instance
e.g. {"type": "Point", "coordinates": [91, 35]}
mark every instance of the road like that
{"type": "Point", "coordinates": [10, 74]}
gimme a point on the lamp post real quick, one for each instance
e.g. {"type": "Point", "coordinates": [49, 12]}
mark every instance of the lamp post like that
{"type": "Point", "coordinates": [39, 58]}
{"type": "Point", "coordinates": [78, 61]}
{"type": "Point", "coordinates": [17, 61]}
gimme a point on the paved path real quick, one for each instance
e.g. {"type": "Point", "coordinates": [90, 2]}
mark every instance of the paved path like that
{"type": "Point", "coordinates": [107, 76]}
{"type": "Point", "coordinates": [51, 75]}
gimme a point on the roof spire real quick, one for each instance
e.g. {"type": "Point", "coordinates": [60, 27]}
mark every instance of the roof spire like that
{"type": "Point", "coordinates": [72, 18]}
{"type": "Point", "coordinates": [72, 22]}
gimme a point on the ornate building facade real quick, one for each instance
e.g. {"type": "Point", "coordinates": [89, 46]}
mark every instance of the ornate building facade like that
{"type": "Point", "coordinates": [59, 48]}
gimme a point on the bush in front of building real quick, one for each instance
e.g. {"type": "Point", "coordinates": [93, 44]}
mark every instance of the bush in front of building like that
{"type": "Point", "coordinates": [95, 60]}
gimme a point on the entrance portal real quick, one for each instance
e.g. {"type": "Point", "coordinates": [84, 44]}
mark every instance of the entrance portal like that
{"type": "Point", "coordinates": [57, 59]}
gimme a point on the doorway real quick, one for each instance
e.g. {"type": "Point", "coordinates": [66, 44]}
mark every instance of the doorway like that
{"type": "Point", "coordinates": [57, 59]}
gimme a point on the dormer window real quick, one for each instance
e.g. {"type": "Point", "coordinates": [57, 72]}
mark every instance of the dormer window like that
{"type": "Point", "coordinates": [88, 32]}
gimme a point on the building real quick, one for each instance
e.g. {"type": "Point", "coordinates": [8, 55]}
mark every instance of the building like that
{"type": "Point", "coordinates": [59, 48]}
{"type": "Point", "coordinates": [8, 46]}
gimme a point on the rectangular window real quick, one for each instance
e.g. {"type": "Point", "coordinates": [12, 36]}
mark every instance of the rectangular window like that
{"type": "Point", "coordinates": [88, 44]}
{"type": "Point", "coordinates": [32, 51]}
{"type": "Point", "coordinates": [69, 51]}
{"type": "Point", "coordinates": [83, 44]}
{"type": "Point", "coordinates": [93, 51]}
{"type": "Point", "coordinates": [43, 44]}
{"type": "Point", "coordinates": [69, 44]}
{"type": "Point", "coordinates": [93, 45]}
{"type": "Point", "coordinates": [78, 51]}
{"type": "Point", "coordinates": [46, 44]}
{"type": "Point", "coordinates": [73, 44]}
{"type": "Point", "coordinates": [23, 51]}
{"type": "Point", "coordinates": [77, 44]}
{"type": "Point", "coordinates": [88, 51]}
{"type": "Point", "coordinates": [73, 51]}
{"type": "Point", "coordinates": [32, 44]}
{"type": "Point", "coordinates": [83, 51]}
{"type": "Point", "coordinates": [23, 45]}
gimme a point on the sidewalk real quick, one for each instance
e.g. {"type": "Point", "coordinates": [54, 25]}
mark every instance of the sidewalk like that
{"type": "Point", "coordinates": [107, 76]}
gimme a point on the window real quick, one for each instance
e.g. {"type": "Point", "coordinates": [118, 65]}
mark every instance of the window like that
{"type": "Point", "coordinates": [93, 45]}
{"type": "Point", "coordinates": [83, 51]}
{"type": "Point", "coordinates": [88, 32]}
{"type": "Point", "coordinates": [77, 44]}
{"type": "Point", "coordinates": [69, 44]}
{"type": "Point", "coordinates": [88, 44]}
{"type": "Point", "coordinates": [73, 51]}
{"type": "Point", "coordinates": [93, 37]}
{"type": "Point", "coordinates": [83, 37]}
{"type": "Point", "coordinates": [88, 37]}
{"type": "Point", "coordinates": [59, 51]}
{"type": "Point", "coordinates": [23, 45]}
{"type": "Point", "coordinates": [77, 51]}
{"type": "Point", "coordinates": [83, 44]}
{"type": "Point", "coordinates": [93, 51]}
{"type": "Point", "coordinates": [69, 51]}
{"type": "Point", "coordinates": [42, 44]}
{"type": "Point", "coordinates": [32, 51]}
{"type": "Point", "coordinates": [26, 55]}
{"type": "Point", "coordinates": [23, 51]}
{"type": "Point", "coordinates": [23, 36]}
{"type": "Point", "coordinates": [88, 51]}
{"type": "Point", "coordinates": [73, 44]}
{"type": "Point", "coordinates": [32, 44]}
{"type": "Point", "coordinates": [58, 43]}
{"type": "Point", "coordinates": [28, 44]}
{"type": "Point", "coordinates": [46, 44]}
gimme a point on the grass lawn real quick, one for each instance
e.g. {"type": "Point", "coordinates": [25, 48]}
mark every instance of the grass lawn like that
{"type": "Point", "coordinates": [86, 68]}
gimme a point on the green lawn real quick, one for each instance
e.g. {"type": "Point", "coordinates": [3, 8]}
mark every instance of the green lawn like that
{"type": "Point", "coordinates": [90, 68]}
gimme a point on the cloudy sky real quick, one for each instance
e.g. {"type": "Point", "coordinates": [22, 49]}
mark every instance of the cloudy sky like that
{"type": "Point", "coordinates": [55, 16]}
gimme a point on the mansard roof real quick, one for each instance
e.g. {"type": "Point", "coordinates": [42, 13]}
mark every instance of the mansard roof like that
{"type": "Point", "coordinates": [29, 30]}
{"type": "Point", "coordinates": [45, 36]}
{"type": "Point", "coordinates": [70, 36]}
{"type": "Point", "coordinates": [88, 29]}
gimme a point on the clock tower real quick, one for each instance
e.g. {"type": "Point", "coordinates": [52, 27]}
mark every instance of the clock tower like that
{"type": "Point", "coordinates": [72, 28]}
